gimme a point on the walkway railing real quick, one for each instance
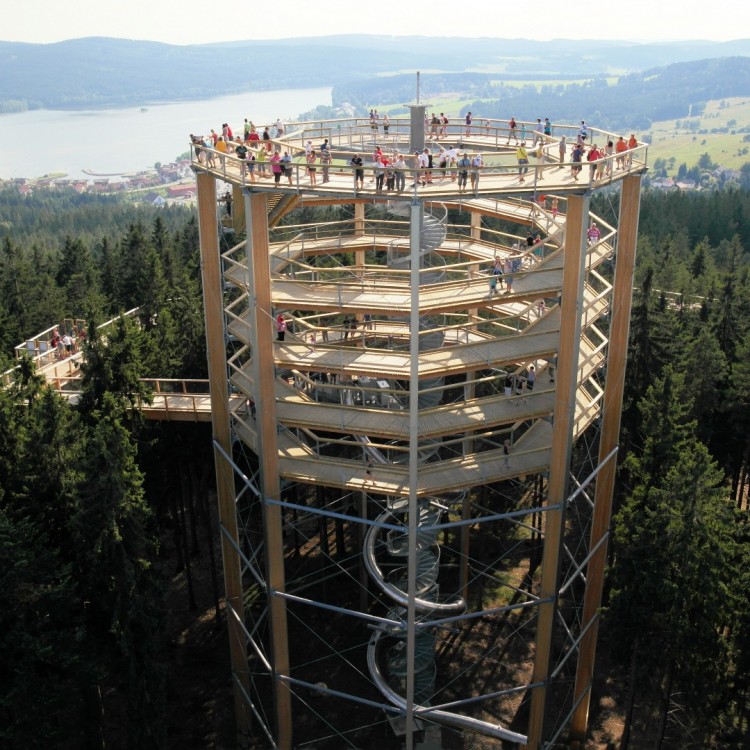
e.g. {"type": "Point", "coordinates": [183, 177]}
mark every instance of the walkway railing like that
{"type": "Point", "coordinates": [488, 137]}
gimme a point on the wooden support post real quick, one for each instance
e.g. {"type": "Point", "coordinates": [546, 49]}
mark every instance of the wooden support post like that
{"type": "Point", "coordinates": [359, 218]}
{"type": "Point", "coordinates": [476, 225]}
{"type": "Point", "coordinates": [359, 230]}
{"type": "Point", "coordinates": [238, 210]}
{"type": "Point", "coordinates": [264, 375]}
{"type": "Point", "coordinates": [622, 297]}
{"type": "Point", "coordinates": [474, 268]}
{"type": "Point", "coordinates": [571, 308]}
{"type": "Point", "coordinates": [213, 304]}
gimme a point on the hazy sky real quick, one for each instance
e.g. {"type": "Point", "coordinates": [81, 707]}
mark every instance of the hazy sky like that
{"type": "Point", "coordinates": [199, 21]}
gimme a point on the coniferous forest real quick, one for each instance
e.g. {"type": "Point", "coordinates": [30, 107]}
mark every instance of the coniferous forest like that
{"type": "Point", "coordinates": [107, 532]}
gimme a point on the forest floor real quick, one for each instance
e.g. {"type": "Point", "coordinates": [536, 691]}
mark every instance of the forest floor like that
{"type": "Point", "coordinates": [200, 704]}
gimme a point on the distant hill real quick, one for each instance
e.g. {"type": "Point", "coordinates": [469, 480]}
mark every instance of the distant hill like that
{"type": "Point", "coordinates": [102, 72]}
{"type": "Point", "coordinates": [634, 101]}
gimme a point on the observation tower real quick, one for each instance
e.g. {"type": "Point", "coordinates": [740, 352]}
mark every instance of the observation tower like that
{"type": "Point", "coordinates": [413, 555]}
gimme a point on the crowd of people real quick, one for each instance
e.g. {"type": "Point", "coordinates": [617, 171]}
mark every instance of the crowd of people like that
{"type": "Point", "coordinates": [260, 155]}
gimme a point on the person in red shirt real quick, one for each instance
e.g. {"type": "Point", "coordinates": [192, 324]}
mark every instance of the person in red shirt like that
{"type": "Point", "coordinates": [593, 156]}
{"type": "Point", "coordinates": [620, 148]}
{"type": "Point", "coordinates": [632, 144]}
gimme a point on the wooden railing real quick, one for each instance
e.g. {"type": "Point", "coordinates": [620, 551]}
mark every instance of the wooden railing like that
{"type": "Point", "coordinates": [183, 399]}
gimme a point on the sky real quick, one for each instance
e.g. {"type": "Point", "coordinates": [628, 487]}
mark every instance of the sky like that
{"type": "Point", "coordinates": [199, 22]}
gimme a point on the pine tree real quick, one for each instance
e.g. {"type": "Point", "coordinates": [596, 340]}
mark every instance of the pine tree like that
{"type": "Point", "coordinates": [113, 366]}
{"type": "Point", "coordinates": [673, 567]}
{"type": "Point", "coordinates": [117, 547]}
{"type": "Point", "coordinates": [39, 641]}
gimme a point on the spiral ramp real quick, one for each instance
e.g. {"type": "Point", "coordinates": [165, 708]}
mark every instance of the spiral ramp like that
{"type": "Point", "coordinates": [387, 658]}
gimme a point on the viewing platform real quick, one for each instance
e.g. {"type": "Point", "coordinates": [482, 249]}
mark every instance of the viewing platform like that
{"type": "Point", "coordinates": [546, 171]}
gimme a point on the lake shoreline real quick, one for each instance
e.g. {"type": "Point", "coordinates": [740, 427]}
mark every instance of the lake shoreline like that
{"type": "Point", "coordinates": [126, 140]}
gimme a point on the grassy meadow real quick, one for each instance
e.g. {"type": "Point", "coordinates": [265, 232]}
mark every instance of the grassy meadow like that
{"type": "Point", "coordinates": [680, 139]}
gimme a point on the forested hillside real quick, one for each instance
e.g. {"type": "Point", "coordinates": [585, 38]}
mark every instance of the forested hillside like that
{"type": "Point", "coordinates": [669, 92]}
{"type": "Point", "coordinates": [103, 72]}
{"type": "Point", "coordinates": [98, 509]}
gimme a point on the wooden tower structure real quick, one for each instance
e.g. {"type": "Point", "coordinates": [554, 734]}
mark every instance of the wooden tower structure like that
{"type": "Point", "coordinates": [410, 552]}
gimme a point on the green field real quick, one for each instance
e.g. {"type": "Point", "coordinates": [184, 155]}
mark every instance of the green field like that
{"type": "Point", "coordinates": [681, 141]}
{"type": "Point", "coordinates": [678, 139]}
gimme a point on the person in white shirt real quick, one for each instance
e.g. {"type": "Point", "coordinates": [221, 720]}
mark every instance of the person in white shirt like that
{"type": "Point", "coordinates": [423, 162]}
{"type": "Point", "coordinates": [476, 165]}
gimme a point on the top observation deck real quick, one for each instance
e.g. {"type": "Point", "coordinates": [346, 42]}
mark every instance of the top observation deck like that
{"type": "Point", "coordinates": [550, 168]}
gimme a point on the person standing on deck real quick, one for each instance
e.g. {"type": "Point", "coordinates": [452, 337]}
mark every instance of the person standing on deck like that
{"type": "Point", "coordinates": [464, 163]}
{"type": "Point", "coordinates": [577, 156]}
{"type": "Point", "coordinates": [280, 327]}
{"type": "Point", "coordinates": [400, 172]}
{"type": "Point", "coordinates": [539, 155]}
{"type": "Point", "coordinates": [507, 274]}
{"type": "Point", "coordinates": [468, 123]}
{"type": "Point", "coordinates": [609, 152]}
{"type": "Point", "coordinates": [286, 163]}
{"type": "Point", "coordinates": [632, 144]}
{"type": "Point", "coordinates": [434, 125]}
{"type": "Point", "coordinates": [359, 172]}
{"type": "Point", "coordinates": [496, 274]}
{"type": "Point", "coordinates": [538, 131]}
{"type": "Point", "coordinates": [312, 159]}
{"type": "Point", "coordinates": [523, 161]}
{"type": "Point", "coordinates": [325, 163]}
{"type": "Point", "coordinates": [620, 149]}
{"type": "Point", "coordinates": [594, 234]}
{"type": "Point", "coordinates": [512, 126]}
{"type": "Point", "coordinates": [379, 169]}
{"type": "Point", "coordinates": [476, 165]}
{"type": "Point", "coordinates": [241, 152]}
{"type": "Point", "coordinates": [276, 167]}
{"type": "Point", "coordinates": [260, 159]}
{"type": "Point", "coordinates": [593, 157]}
{"type": "Point", "coordinates": [221, 147]}
{"type": "Point", "coordinates": [530, 378]}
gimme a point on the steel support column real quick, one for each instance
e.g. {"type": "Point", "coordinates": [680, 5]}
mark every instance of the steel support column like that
{"type": "Point", "coordinates": [411, 611]}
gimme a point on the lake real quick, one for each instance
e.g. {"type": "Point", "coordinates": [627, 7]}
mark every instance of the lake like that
{"type": "Point", "coordinates": [112, 141]}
